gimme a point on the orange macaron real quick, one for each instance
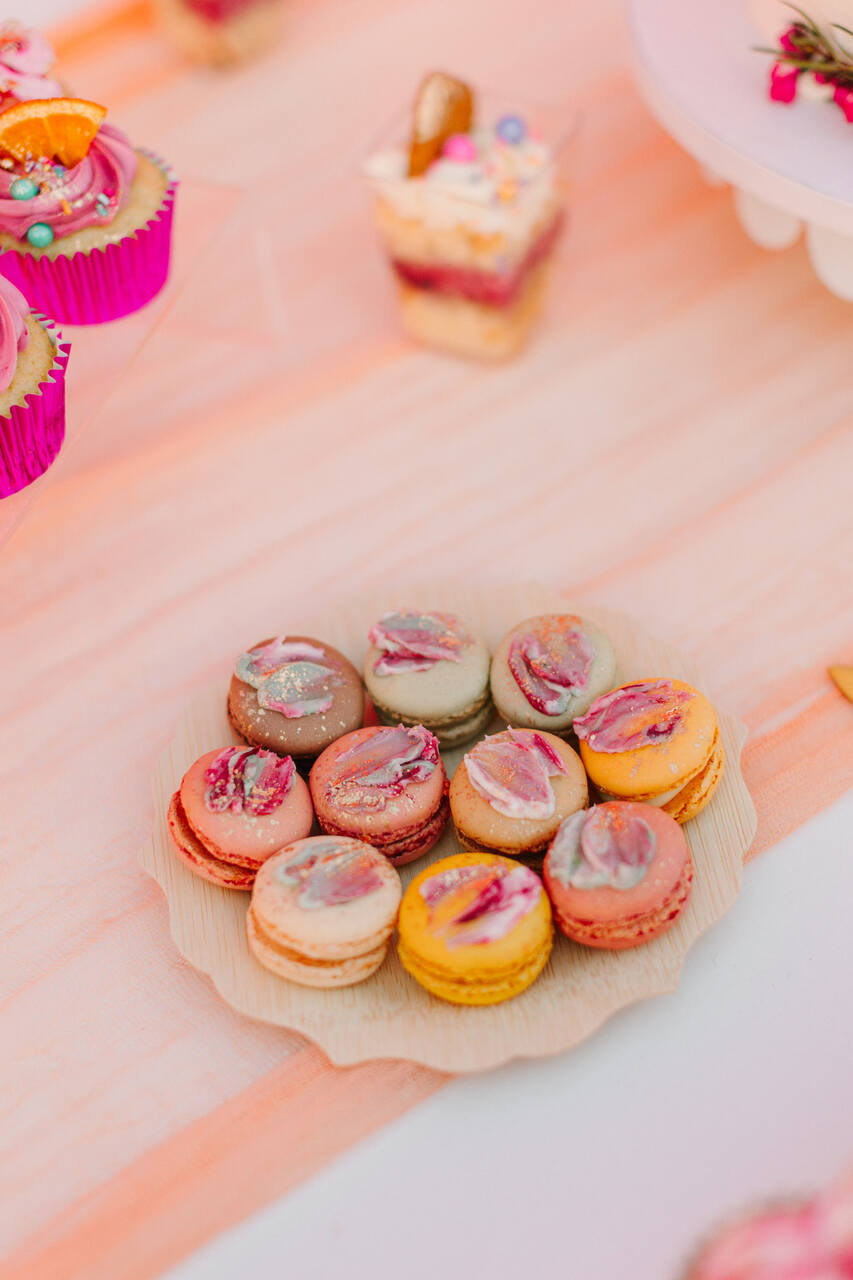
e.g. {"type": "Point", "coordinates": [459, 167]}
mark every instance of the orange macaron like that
{"type": "Point", "coordinates": [655, 741]}
{"type": "Point", "coordinates": [235, 808]}
{"type": "Point", "coordinates": [618, 874]}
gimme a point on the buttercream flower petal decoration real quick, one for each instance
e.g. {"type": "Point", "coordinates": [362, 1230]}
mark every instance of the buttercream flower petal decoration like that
{"type": "Point", "coordinates": [50, 128]}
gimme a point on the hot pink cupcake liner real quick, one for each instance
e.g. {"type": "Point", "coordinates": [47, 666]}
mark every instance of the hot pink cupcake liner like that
{"type": "Point", "coordinates": [32, 433]}
{"type": "Point", "coordinates": [103, 284]}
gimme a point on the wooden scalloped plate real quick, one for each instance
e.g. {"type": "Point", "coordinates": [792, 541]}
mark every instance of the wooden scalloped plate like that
{"type": "Point", "coordinates": [390, 1016]}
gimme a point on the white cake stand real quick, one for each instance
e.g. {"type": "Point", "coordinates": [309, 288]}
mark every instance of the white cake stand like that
{"type": "Point", "coordinates": [791, 167]}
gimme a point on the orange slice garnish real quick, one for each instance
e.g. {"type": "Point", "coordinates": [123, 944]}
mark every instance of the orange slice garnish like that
{"type": "Point", "coordinates": [50, 128]}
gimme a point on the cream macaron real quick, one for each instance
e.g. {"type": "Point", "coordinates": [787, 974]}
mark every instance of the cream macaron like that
{"type": "Point", "coordinates": [429, 669]}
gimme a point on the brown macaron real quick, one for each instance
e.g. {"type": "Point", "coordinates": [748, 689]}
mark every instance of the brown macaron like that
{"type": "Point", "coordinates": [295, 695]}
{"type": "Point", "coordinates": [512, 790]}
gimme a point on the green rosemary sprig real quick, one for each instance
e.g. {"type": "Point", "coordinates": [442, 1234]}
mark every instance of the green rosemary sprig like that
{"type": "Point", "coordinates": [815, 50]}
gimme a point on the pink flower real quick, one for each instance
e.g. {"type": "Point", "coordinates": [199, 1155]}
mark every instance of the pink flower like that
{"type": "Point", "coordinates": [783, 82]}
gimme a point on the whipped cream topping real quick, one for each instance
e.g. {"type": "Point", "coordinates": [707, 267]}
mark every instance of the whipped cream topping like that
{"type": "Point", "coordinates": [412, 641]}
{"type": "Point", "coordinates": [507, 186]}
{"type": "Point", "coordinates": [551, 664]}
{"type": "Point", "coordinates": [644, 714]}
{"type": "Point", "coordinates": [13, 330]}
{"type": "Point", "coordinates": [380, 767]}
{"type": "Point", "coordinates": [602, 848]}
{"type": "Point", "coordinates": [248, 780]}
{"type": "Point", "coordinates": [479, 903]}
{"type": "Point", "coordinates": [70, 200]}
{"type": "Point", "coordinates": [325, 875]}
{"type": "Point", "coordinates": [25, 59]}
{"type": "Point", "coordinates": [513, 771]}
{"type": "Point", "coordinates": [291, 677]}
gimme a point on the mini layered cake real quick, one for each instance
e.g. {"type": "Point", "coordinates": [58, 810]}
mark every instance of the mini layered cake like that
{"type": "Point", "coordinates": [234, 809]}
{"type": "Point", "coordinates": [322, 912]}
{"type": "Point", "coordinates": [512, 791]}
{"type": "Point", "coordinates": [469, 213]}
{"type": "Point", "coordinates": [386, 786]}
{"type": "Point", "coordinates": [294, 695]}
{"type": "Point", "coordinates": [429, 669]}
{"type": "Point", "coordinates": [656, 741]}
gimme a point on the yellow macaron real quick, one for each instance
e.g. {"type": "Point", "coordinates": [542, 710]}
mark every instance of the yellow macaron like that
{"type": "Point", "coordinates": [475, 928]}
{"type": "Point", "coordinates": [655, 741]}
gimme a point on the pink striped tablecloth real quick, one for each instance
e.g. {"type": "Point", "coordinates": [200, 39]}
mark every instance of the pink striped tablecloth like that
{"type": "Point", "coordinates": [677, 444]}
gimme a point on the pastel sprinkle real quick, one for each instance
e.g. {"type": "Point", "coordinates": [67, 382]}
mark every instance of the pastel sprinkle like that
{"type": "Point", "coordinates": [460, 147]}
{"type": "Point", "coordinates": [23, 189]}
{"type": "Point", "coordinates": [511, 129]}
{"type": "Point", "coordinates": [40, 235]}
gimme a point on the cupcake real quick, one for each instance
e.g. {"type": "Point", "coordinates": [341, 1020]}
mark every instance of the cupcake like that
{"type": "Point", "coordinates": [469, 212]}
{"type": "Point", "coordinates": [549, 669]}
{"type": "Point", "coordinates": [32, 391]}
{"type": "Point", "coordinates": [219, 32]}
{"type": "Point", "coordinates": [85, 218]}
{"type": "Point", "coordinates": [512, 791]}
{"type": "Point", "coordinates": [429, 669]}
{"type": "Point", "coordinates": [26, 58]}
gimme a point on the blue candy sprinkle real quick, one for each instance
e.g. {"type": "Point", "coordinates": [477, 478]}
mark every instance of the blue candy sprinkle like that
{"type": "Point", "coordinates": [40, 235]}
{"type": "Point", "coordinates": [511, 129]}
{"type": "Point", "coordinates": [23, 189]}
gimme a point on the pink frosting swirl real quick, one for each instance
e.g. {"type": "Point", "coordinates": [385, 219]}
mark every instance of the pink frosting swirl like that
{"type": "Point", "coordinates": [479, 903]}
{"type": "Point", "coordinates": [13, 331]}
{"type": "Point", "coordinates": [248, 780]}
{"type": "Point", "coordinates": [88, 195]}
{"type": "Point", "coordinates": [512, 771]}
{"type": "Point", "coordinates": [25, 59]}
{"type": "Point", "coordinates": [383, 765]}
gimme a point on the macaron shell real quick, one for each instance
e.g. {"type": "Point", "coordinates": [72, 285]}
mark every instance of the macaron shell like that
{"type": "Point", "coordinates": [458, 990]}
{"type": "Point", "coordinates": [509, 699]}
{"type": "Point", "coordinates": [650, 771]}
{"type": "Point", "coordinates": [490, 966]}
{"type": "Point", "coordinates": [606, 905]}
{"type": "Point", "coordinates": [413, 845]}
{"type": "Point", "coordinates": [286, 963]}
{"type": "Point", "coordinates": [241, 838]}
{"type": "Point", "coordinates": [194, 854]}
{"type": "Point", "coordinates": [307, 736]}
{"type": "Point", "coordinates": [618, 935]}
{"type": "Point", "coordinates": [403, 814]}
{"type": "Point", "coordinates": [479, 826]}
{"type": "Point", "coordinates": [447, 690]}
{"type": "Point", "coordinates": [695, 795]}
{"type": "Point", "coordinates": [330, 933]}
{"type": "Point", "coordinates": [451, 731]}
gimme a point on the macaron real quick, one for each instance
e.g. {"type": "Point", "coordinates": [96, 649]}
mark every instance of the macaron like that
{"type": "Point", "coordinates": [653, 740]}
{"type": "Point", "coordinates": [618, 874]}
{"type": "Point", "coordinates": [384, 785]}
{"type": "Point", "coordinates": [475, 928]}
{"type": "Point", "coordinates": [512, 790]}
{"type": "Point", "coordinates": [549, 669]}
{"type": "Point", "coordinates": [429, 669]}
{"type": "Point", "coordinates": [294, 695]}
{"type": "Point", "coordinates": [235, 808]}
{"type": "Point", "coordinates": [323, 910]}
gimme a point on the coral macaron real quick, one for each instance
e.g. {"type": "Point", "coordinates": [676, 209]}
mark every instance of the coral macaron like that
{"type": "Point", "coordinates": [475, 928]}
{"type": "Point", "coordinates": [429, 669]}
{"type": "Point", "coordinates": [384, 785]}
{"type": "Point", "coordinates": [549, 669]}
{"type": "Point", "coordinates": [294, 695]}
{"type": "Point", "coordinates": [655, 741]}
{"type": "Point", "coordinates": [618, 874]}
{"type": "Point", "coordinates": [323, 910]}
{"type": "Point", "coordinates": [512, 790]}
{"type": "Point", "coordinates": [235, 808]}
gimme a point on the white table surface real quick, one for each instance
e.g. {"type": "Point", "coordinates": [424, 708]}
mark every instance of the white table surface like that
{"type": "Point", "coordinates": [679, 1111]}
{"type": "Point", "coordinates": [734, 1089]}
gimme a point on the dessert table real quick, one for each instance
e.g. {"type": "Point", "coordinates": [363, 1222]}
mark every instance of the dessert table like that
{"type": "Point", "coordinates": [675, 444]}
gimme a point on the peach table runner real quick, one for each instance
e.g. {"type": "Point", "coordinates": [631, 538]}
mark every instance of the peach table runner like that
{"type": "Point", "coordinates": [676, 444]}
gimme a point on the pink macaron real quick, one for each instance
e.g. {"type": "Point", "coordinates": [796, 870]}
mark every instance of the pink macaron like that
{"type": "Point", "coordinates": [385, 785]}
{"type": "Point", "coordinates": [235, 808]}
{"type": "Point", "coordinates": [618, 874]}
